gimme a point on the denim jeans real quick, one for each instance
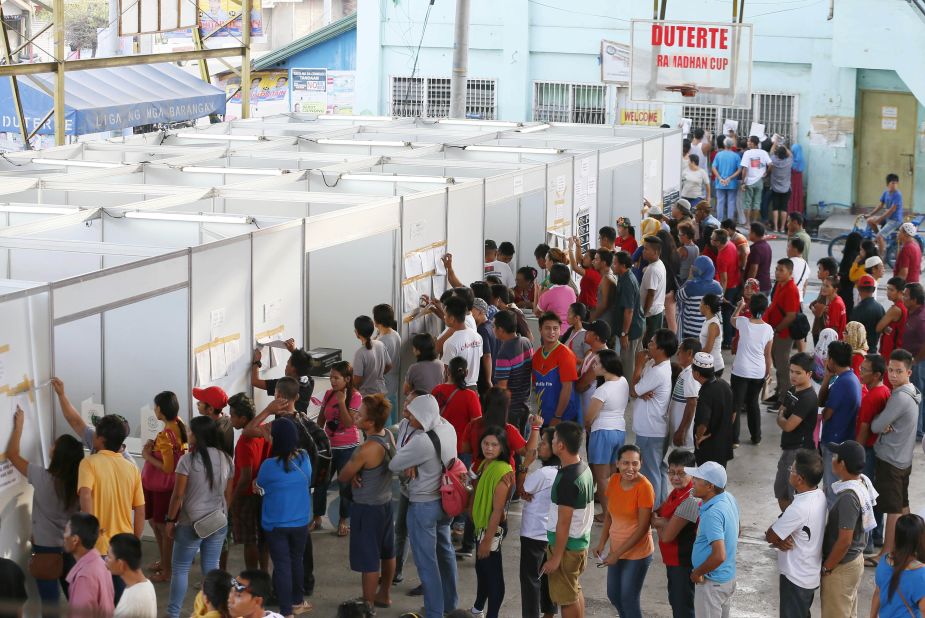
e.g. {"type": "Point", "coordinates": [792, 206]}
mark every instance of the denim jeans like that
{"type": "Point", "coordinates": [680, 591]}
{"type": "Point", "coordinates": [185, 546]}
{"type": "Point", "coordinates": [429, 533]}
{"type": "Point", "coordinates": [624, 585]}
{"type": "Point", "coordinates": [339, 459]}
{"type": "Point", "coordinates": [50, 589]}
{"type": "Point", "coordinates": [795, 602]}
{"type": "Point", "coordinates": [918, 379]}
{"type": "Point", "coordinates": [726, 205]}
{"type": "Point", "coordinates": [653, 465]}
{"type": "Point", "coordinates": [828, 475]}
{"type": "Point", "coordinates": [287, 547]}
{"type": "Point", "coordinates": [308, 567]}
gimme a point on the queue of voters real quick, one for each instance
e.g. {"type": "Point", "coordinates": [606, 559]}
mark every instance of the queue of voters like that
{"type": "Point", "coordinates": [602, 393]}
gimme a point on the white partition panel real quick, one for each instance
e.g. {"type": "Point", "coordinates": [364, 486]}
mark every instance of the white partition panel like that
{"type": "Point", "coordinates": [671, 162]}
{"type": "Point", "coordinates": [79, 363]}
{"type": "Point", "coordinates": [585, 199]}
{"type": "Point", "coordinates": [501, 222]}
{"type": "Point", "coordinates": [559, 194]}
{"type": "Point", "coordinates": [34, 265]}
{"type": "Point", "coordinates": [221, 314]}
{"type": "Point", "coordinates": [652, 170]}
{"type": "Point", "coordinates": [278, 280]}
{"type": "Point", "coordinates": [464, 229]}
{"type": "Point", "coordinates": [25, 356]}
{"type": "Point", "coordinates": [144, 353]}
{"type": "Point", "coordinates": [531, 228]}
{"type": "Point", "coordinates": [339, 226]}
{"type": "Point", "coordinates": [625, 191]}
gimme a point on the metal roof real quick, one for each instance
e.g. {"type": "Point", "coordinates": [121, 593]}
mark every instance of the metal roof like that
{"type": "Point", "coordinates": [326, 33]}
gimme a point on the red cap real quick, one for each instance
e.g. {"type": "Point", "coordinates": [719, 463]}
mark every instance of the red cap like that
{"type": "Point", "coordinates": [212, 396]}
{"type": "Point", "coordinates": [866, 281]}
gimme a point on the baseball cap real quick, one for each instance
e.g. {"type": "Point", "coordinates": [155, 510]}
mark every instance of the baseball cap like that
{"type": "Point", "coordinates": [850, 453]}
{"type": "Point", "coordinates": [709, 471]}
{"type": "Point", "coordinates": [872, 261]}
{"type": "Point", "coordinates": [213, 396]}
{"type": "Point", "coordinates": [704, 360]}
{"type": "Point", "coordinates": [909, 228]}
{"type": "Point", "coordinates": [480, 304]}
{"type": "Point", "coordinates": [684, 205]}
{"type": "Point", "coordinates": [866, 281]}
{"type": "Point", "coordinates": [599, 328]}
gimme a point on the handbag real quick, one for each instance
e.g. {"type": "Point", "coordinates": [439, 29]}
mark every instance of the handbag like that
{"type": "Point", "coordinates": [156, 480]}
{"type": "Point", "coordinates": [46, 565]}
{"type": "Point", "coordinates": [210, 524]}
{"type": "Point", "coordinates": [495, 541]}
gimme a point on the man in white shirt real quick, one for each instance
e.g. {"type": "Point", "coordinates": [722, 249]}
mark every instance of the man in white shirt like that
{"type": "Point", "coordinates": [697, 142]}
{"type": "Point", "coordinates": [495, 268]}
{"type": "Point", "coordinates": [684, 397]}
{"type": "Point", "coordinates": [651, 388]}
{"type": "Point", "coordinates": [798, 533]}
{"type": "Point", "coordinates": [124, 560]}
{"type": "Point", "coordinates": [652, 288]}
{"type": "Point", "coordinates": [462, 341]}
{"type": "Point", "coordinates": [800, 267]}
{"type": "Point", "coordinates": [757, 163]}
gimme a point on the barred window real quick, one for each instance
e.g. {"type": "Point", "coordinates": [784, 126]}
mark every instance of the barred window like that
{"type": "Point", "coordinates": [430, 97]}
{"type": "Point", "coordinates": [563, 102]}
{"type": "Point", "coordinates": [778, 112]}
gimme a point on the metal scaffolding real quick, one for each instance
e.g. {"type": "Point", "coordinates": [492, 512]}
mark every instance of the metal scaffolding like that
{"type": "Point", "coordinates": [61, 65]}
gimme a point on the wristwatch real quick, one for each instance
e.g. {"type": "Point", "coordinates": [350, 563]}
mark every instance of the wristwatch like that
{"type": "Point", "coordinates": [258, 364]}
{"type": "Point", "coordinates": [170, 520]}
{"type": "Point", "coordinates": [623, 333]}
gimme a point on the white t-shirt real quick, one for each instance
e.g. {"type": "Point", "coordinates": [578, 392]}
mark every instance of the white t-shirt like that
{"type": "Point", "coordinates": [614, 395]}
{"type": "Point", "coordinates": [589, 363]}
{"type": "Point", "coordinates": [755, 162]}
{"type": "Point", "coordinates": [685, 387]}
{"type": "Point", "coordinates": [502, 269]}
{"type": "Point", "coordinates": [697, 149]}
{"type": "Point", "coordinates": [653, 278]}
{"type": "Point", "coordinates": [800, 274]}
{"type": "Point", "coordinates": [650, 416]}
{"type": "Point", "coordinates": [536, 512]}
{"type": "Point", "coordinates": [138, 601]}
{"type": "Point", "coordinates": [804, 520]}
{"type": "Point", "coordinates": [717, 351]}
{"type": "Point", "coordinates": [694, 182]}
{"type": "Point", "coordinates": [749, 358]}
{"type": "Point", "coordinates": [468, 344]}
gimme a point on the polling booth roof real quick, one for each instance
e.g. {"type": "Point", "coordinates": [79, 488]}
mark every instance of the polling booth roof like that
{"type": "Point", "coordinates": [98, 100]}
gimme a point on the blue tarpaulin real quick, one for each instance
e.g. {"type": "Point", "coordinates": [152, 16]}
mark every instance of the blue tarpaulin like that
{"type": "Point", "coordinates": [98, 100]}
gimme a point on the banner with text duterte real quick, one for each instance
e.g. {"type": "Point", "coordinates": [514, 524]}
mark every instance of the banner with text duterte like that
{"type": "Point", "coordinates": [673, 62]}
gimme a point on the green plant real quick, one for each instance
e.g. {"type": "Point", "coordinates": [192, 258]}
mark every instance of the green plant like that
{"type": "Point", "coordinates": [82, 19]}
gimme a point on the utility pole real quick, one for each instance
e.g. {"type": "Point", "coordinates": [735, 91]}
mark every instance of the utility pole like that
{"type": "Point", "coordinates": [460, 61]}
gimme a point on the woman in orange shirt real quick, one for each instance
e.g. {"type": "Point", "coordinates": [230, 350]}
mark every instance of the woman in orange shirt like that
{"type": "Point", "coordinates": [630, 500]}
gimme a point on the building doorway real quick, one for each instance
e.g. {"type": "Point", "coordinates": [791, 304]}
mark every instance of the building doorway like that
{"type": "Point", "coordinates": [885, 143]}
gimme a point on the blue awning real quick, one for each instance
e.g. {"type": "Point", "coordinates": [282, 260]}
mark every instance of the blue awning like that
{"type": "Point", "coordinates": [98, 100]}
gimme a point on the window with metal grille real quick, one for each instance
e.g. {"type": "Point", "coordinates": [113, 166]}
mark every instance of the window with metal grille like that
{"type": "Point", "coordinates": [778, 112]}
{"type": "Point", "coordinates": [702, 117]}
{"type": "Point", "coordinates": [562, 102]}
{"type": "Point", "coordinates": [430, 97]}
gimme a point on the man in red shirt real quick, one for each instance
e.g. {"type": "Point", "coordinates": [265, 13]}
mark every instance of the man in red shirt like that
{"type": "Point", "coordinates": [729, 275]}
{"type": "Point", "coordinates": [909, 259]}
{"type": "Point", "coordinates": [785, 303]}
{"type": "Point", "coordinates": [249, 453]}
{"type": "Point", "coordinates": [874, 395]}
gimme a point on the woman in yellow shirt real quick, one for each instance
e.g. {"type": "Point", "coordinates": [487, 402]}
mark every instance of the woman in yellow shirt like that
{"type": "Point", "coordinates": [161, 455]}
{"type": "Point", "coordinates": [212, 600]}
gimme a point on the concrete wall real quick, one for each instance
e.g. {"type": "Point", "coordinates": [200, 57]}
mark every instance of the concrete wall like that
{"type": "Point", "coordinates": [517, 42]}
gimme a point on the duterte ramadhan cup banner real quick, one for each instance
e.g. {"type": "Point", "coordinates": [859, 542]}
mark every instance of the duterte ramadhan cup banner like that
{"type": "Point", "coordinates": [675, 62]}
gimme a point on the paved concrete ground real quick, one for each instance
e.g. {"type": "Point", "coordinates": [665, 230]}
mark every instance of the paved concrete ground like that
{"type": "Point", "coordinates": [751, 476]}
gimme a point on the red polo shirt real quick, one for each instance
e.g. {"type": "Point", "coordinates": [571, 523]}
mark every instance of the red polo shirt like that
{"type": "Point", "coordinates": [727, 261]}
{"type": "Point", "coordinates": [785, 299]}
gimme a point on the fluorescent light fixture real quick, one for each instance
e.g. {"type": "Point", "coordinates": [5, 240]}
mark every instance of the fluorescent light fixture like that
{"type": "Point", "coordinates": [179, 216]}
{"type": "Point", "coordinates": [351, 117]}
{"type": "Point", "coordinates": [220, 136]}
{"type": "Point", "coordinates": [240, 171]}
{"type": "Point", "coordinates": [41, 210]}
{"type": "Point", "coordinates": [534, 129]}
{"type": "Point", "coordinates": [69, 163]}
{"type": "Point", "coordinates": [397, 178]}
{"type": "Point", "coordinates": [357, 142]}
{"type": "Point", "coordinates": [487, 123]}
{"type": "Point", "coordinates": [517, 149]}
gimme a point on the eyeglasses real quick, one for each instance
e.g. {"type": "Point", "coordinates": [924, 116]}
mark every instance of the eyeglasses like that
{"type": "Point", "coordinates": [239, 587]}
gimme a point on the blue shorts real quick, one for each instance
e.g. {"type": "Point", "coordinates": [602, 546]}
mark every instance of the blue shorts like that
{"type": "Point", "coordinates": [604, 444]}
{"type": "Point", "coordinates": [888, 227]}
{"type": "Point", "coordinates": [372, 536]}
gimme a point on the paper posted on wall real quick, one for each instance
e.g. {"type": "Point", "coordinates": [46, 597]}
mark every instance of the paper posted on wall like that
{"type": "Point", "coordinates": [89, 410]}
{"type": "Point", "coordinates": [150, 426]}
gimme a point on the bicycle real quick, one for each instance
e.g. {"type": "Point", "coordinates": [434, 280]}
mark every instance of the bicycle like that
{"type": "Point", "coordinates": [837, 244]}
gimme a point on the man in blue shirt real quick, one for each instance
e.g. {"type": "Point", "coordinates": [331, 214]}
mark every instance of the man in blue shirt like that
{"type": "Point", "coordinates": [714, 553]}
{"type": "Point", "coordinates": [726, 170]}
{"type": "Point", "coordinates": [891, 202]}
{"type": "Point", "coordinates": [840, 396]}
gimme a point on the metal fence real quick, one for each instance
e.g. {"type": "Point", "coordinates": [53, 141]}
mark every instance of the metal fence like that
{"type": "Point", "coordinates": [778, 112]}
{"type": "Point", "coordinates": [564, 102]}
{"type": "Point", "coordinates": [430, 97]}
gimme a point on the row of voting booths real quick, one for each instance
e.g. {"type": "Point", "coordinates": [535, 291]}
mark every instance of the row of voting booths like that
{"type": "Point", "coordinates": [160, 261]}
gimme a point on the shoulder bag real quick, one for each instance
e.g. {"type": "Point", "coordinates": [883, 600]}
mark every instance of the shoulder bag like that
{"type": "Point", "coordinates": [213, 522]}
{"type": "Point", "coordinates": [46, 565]}
{"type": "Point", "coordinates": [156, 480]}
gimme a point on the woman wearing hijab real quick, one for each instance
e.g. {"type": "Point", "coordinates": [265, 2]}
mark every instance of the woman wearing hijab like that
{"type": "Point", "coordinates": [856, 337]}
{"type": "Point", "coordinates": [700, 283]}
{"type": "Point", "coordinates": [796, 179]}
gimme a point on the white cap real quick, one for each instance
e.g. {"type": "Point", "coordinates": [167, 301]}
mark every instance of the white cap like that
{"type": "Point", "coordinates": [703, 360]}
{"type": "Point", "coordinates": [872, 261]}
{"type": "Point", "coordinates": [909, 228]}
{"type": "Point", "coordinates": [655, 211]}
{"type": "Point", "coordinates": [709, 471]}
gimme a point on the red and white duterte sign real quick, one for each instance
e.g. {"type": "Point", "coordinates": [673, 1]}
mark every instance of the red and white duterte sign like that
{"type": "Point", "coordinates": [675, 61]}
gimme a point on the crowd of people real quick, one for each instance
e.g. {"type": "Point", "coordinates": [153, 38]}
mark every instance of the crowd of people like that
{"type": "Point", "coordinates": [686, 326]}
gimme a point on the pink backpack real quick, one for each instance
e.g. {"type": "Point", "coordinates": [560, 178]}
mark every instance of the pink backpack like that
{"type": "Point", "coordinates": [454, 485]}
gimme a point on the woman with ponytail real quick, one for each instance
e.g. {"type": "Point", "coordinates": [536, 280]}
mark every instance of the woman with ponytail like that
{"type": "Point", "coordinates": [372, 361]}
{"type": "Point", "coordinates": [338, 417]}
{"type": "Point", "coordinates": [387, 333]}
{"type": "Point", "coordinates": [458, 404]}
{"type": "Point", "coordinates": [900, 577]}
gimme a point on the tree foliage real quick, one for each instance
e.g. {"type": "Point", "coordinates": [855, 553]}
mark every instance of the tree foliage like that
{"type": "Point", "coordinates": [82, 19]}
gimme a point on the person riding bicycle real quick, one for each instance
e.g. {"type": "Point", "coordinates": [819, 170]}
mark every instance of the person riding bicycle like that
{"type": "Point", "coordinates": [891, 202]}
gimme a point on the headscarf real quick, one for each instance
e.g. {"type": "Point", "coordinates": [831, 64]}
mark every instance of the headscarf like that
{"type": "Point", "coordinates": [650, 227]}
{"type": "Point", "coordinates": [821, 351]}
{"type": "Point", "coordinates": [856, 337]}
{"type": "Point", "coordinates": [703, 272]}
{"type": "Point", "coordinates": [799, 163]}
{"type": "Point", "coordinates": [751, 283]}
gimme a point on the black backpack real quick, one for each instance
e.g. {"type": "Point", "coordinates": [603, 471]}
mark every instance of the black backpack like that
{"type": "Point", "coordinates": [314, 441]}
{"type": "Point", "coordinates": [799, 328]}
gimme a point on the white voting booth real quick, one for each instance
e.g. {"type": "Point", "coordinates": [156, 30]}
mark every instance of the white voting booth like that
{"type": "Point", "coordinates": [158, 262]}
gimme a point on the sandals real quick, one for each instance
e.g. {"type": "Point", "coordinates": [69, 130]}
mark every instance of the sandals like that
{"type": "Point", "coordinates": [302, 608]}
{"type": "Point", "coordinates": [870, 561]}
{"type": "Point", "coordinates": [343, 529]}
{"type": "Point", "coordinates": [315, 525]}
{"type": "Point", "coordinates": [159, 577]}
{"type": "Point", "coordinates": [156, 567]}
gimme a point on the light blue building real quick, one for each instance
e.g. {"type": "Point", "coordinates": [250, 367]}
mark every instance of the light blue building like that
{"type": "Point", "coordinates": [850, 89]}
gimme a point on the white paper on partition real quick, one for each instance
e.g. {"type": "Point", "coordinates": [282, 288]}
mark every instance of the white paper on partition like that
{"type": "Point", "coordinates": [418, 325]}
{"type": "Point", "coordinates": [410, 297]}
{"type": "Point", "coordinates": [439, 284]}
{"type": "Point", "coordinates": [232, 351]}
{"type": "Point", "coordinates": [278, 356]}
{"type": "Point", "coordinates": [423, 287]}
{"type": "Point", "coordinates": [203, 368]}
{"type": "Point", "coordinates": [413, 266]}
{"type": "Point", "coordinates": [218, 363]}
{"type": "Point", "coordinates": [429, 260]}
{"type": "Point", "coordinates": [88, 410]}
{"type": "Point", "coordinates": [439, 267]}
{"type": "Point", "coordinates": [272, 310]}
{"type": "Point", "coordinates": [150, 426]}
